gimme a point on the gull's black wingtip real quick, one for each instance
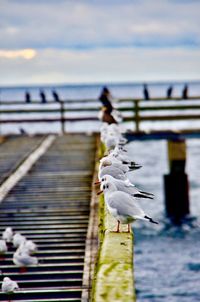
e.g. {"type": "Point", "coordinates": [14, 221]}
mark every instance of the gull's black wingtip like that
{"type": "Point", "coordinates": [151, 220]}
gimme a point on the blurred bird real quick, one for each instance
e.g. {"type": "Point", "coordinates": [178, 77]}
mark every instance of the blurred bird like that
{"type": "Point", "coordinates": [29, 246]}
{"type": "Point", "coordinates": [9, 286]}
{"type": "Point", "coordinates": [22, 259]}
{"type": "Point", "coordinates": [7, 235]}
{"type": "Point", "coordinates": [18, 239]}
{"type": "Point", "coordinates": [3, 249]}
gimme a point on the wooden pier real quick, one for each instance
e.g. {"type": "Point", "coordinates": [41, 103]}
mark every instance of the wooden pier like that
{"type": "Point", "coordinates": [50, 204]}
{"type": "Point", "coordinates": [47, 193]}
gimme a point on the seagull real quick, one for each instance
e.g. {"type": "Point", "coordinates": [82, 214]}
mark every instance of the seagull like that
{"type": "Point", "coordinates": [113, 171]}
{"type": "Point", "coordinates": [18, 239]}
{"type": "Point", "coordinates": [3, 249]}
{"type": "Point", "coordinates": [105, 162]}
{"type": "Point", "coordinates": [121, 205]}
{"type": "Point", "coordinates": [119, 153]}
{"type": "Point", "coordinates": [29, 246]}
{"type": "Point", "coordinates": [106, 117]}
{"type": "Point", "coordinates": [126, 187]}
{"type": "Point", "coordinates": [9, 286]}
{"type": "Point", "coordinates": [111, 160]}
{"type": "Point", "coordinates": [22, 259]}
{"type": "Point", "coordinates": [7, 235]}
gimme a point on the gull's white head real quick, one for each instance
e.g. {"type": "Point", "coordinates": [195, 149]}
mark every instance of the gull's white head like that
{"type": "Point", "coordinates": [106, 178]}
{"type": "Point", "coordinates": [108, 186]}
{"type": "Point", "coordinates": [104, 162]}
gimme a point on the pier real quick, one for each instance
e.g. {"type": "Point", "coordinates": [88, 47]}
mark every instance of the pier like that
{"type": "Point", "coordinates": [47, 193]}
{"type": "Point", "coordinates": [50, 204]}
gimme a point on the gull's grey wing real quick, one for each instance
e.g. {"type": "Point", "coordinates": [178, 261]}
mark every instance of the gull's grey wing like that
{"type": "Point", "coordinates": [124, 204]}
{"type": "Point", "coordinates": [113, 171]}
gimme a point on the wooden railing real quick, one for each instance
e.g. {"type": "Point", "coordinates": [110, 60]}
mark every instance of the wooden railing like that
{"type": "Point", "coordinates": [137, 108]}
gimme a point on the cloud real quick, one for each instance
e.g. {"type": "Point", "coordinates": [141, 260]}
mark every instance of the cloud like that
{"type": "Point", "coordinates": [13, 54]}
{"type": "Point", "coordinates": [102, 65]}
{"type": "Point", "coordinates": [99, 40]}
{"type": "Point", "coordinates": [88, 24]}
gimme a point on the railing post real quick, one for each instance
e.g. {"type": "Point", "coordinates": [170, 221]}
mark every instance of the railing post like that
{"type": "Point", "coordinates": [137, 115]}
{"type": "Point", "coordinates": [62, 116]}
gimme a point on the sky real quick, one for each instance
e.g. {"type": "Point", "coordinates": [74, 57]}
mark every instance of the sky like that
{"type": "Point", "coordinates": [94, 41]}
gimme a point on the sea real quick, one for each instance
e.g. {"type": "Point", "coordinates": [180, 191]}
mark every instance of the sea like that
{"type": "Point", "coordinates": [166, 256]}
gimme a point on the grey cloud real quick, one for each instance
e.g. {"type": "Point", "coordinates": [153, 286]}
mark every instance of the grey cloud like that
{"type": "Point", "coordinates": [83, 24]}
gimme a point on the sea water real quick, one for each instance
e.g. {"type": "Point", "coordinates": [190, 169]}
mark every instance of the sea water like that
{"type": "Point", "coordinates": [166, 257]}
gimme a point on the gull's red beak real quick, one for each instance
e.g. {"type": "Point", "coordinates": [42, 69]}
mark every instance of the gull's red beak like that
{"type": "Point", "coordinates": [97, 183]}
{"type": "Point", "coordinates": [98, 193]}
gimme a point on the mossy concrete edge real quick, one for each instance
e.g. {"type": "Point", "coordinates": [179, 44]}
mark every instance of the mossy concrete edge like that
{"type": "Point", "coordinates": [114, 276]}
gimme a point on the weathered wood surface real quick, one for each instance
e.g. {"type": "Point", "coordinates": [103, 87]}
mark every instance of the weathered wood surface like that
{"type": "Point", "coordinates": [50, 205]}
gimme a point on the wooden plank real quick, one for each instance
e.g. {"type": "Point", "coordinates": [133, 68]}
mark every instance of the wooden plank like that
{"type": "Point", "coordinates": [91, 239]}
{"type": "Point", "coordinates": [25, 167]}
{"type": "Point", "coordinates": [47, 120]}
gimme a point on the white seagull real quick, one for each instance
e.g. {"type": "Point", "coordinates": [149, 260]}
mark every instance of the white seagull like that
{"type": "Point", "coordinates": [28, 246]}
{"type": "Point", "coordinates": [113, 171]}
{"type": "Point", "coordinates": [126, 187]}
{"type": "Point", "coordinates": [121, 205]}
{"type": "Point", "coordinates": [120, 154]}
{"type": "Point", "coordinates": [7, 235]}
{"type": "Point", "coordinates": [9, 286]}
{"type": "Point", "coordinates": [3, 247]}
{"type": "Point", "coordinates": [22, 259]}
{"type": "Point", "coordinates": [18, 239]}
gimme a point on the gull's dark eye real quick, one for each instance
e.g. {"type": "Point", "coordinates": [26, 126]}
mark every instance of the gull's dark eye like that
{"type": "Point", "coordinates": [107, 186]}
{"type": "Point", "coordinates": [104, 187]}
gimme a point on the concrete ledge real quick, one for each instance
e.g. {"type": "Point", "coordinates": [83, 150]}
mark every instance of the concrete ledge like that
{"type": "Point", "coordinates": [114, 279]}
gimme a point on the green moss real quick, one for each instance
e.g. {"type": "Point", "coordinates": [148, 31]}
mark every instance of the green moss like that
{"type": "Point", "coordinates": [113, 279]}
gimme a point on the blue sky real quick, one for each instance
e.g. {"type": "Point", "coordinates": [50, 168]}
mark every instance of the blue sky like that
{"type": "Point", "coordinates": [68, 41]}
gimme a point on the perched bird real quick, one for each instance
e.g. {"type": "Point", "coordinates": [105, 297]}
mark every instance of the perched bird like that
{"type": "Point", "coordinates": [9, 286]}
{"type": "Point", "coordinates": [22, 259]}
{"type": "Point", "coordinates": [106, 161]}
{"type": "Point", "coordinates": [106, 116]}
{"type": "Point", "coordinates": [29, 246]}
{"type": "Point", "coordinates": [122, 206]}
{"type": "Point", "coordinates": [113, 171]}
{"type": "Point", "coordinates": [18, 239]}
{"type": "Point", "coordinates": [120, 154]}
{"type": "Point", "coordinates": [7, 235]}
{"type": "Point", "coordinates": [3, 249]}
{"type": "Point", "coordinates": [126, 187]}
{"type": "Point", "coordinates": [112, 160]}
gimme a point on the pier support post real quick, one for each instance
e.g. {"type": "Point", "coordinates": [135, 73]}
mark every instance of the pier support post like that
{"type": "Point", "coordinates": [176, 182]}
{"type": "Point", "coordinates": [62, 116]}
{"type": "Point", "coordinates": [137, 116]}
